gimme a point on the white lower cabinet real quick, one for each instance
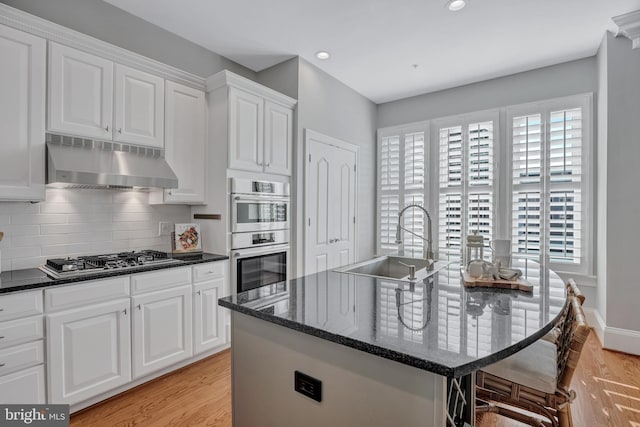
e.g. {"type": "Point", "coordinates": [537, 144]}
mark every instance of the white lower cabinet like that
{"type": "Point", "coordinates": [23, 387]}
{"type": "Point", "coordinates": [162, 329]}
{"type": "Point", "coordinates": [208, 315]}
{"type": "Point", "coordinates": [88, 351]}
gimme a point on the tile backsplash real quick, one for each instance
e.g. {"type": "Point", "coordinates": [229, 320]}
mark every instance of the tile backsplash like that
{"type": "Point", "coordinates": [81, 221]}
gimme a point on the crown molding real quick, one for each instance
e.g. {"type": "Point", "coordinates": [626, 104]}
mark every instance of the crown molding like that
{"type": "Point", "coordinates": [629, 27]}
{"type": "Point", "coordinates": [20, 20]}
{"type": "Point", "coordinates": [227, 78]}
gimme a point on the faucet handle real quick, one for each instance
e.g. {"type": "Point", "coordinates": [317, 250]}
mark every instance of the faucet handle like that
{"type": "Point", "coordinates": [412, 270]}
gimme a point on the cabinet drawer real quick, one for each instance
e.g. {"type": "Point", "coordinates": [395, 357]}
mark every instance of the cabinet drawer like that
{"type": "Point", "coordinates": [21, 331]}
{"type": "Point", "coordinates": [86, 293]}
{"type": "Point", "coordinates": [161, 279]}
{"type": "Point", "coordinates": [19, 305]}
{"type": "Point", "coordinates": [26, 386]}
{"type": "Point", "coordinates": [209, 270]}
{"type": "Point", "coordinates": [21, 356]}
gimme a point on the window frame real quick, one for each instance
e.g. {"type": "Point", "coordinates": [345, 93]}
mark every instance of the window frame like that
{"type": "Point", "coordinates": [502, 184]}
{"type": "Point", "coordinates": [401, 131]}
{"type": "Point", "coordinates": [586, 267]}
{"type": "Point", "coordinates": [462, 120]}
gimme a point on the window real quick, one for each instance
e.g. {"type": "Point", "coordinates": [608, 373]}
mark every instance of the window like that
{"type": "Point", "coordinates": [465, 190]}
{"type": "Point", "coordinates": [549, 158]}
{"type": "Point", "coordinates": [402, 182]}
{"type": "Point", "coordinates": [530, 185]}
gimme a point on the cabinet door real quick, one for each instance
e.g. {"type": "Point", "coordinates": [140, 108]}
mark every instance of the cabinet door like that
{"type": "Point", "coordinates": [80, 93]}
{"type": "Point", "coordinates": [208, 316]}
{"type": "Point", "coordinates": [185, 142]}
{"type": "Point", "coordinates": [88, 351]}
{"type": "Point", "coordinates": [162, 329]}
{"type": "Point", "coordinates": [278, 131]}
{"type": "Point", "coordinates": [22, 95]}
{"type": "Point", "coordinates": [139, 107]}
{"type": "Point", "coordinates": [22, 387]}
{"type": "Point", "coordinates": [246, 131]}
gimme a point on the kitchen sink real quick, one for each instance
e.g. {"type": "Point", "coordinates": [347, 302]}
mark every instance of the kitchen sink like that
{"type": "Point", "coordinates": [390, 267]}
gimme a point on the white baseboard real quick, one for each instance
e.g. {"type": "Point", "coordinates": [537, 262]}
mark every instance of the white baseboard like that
{"type": "Point", "coordinates": [624, 340]}
{"type": "Point", "coordinates": [595, 321]}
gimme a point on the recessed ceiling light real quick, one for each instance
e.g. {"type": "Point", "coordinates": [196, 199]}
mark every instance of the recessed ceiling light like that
{"type": "Point", "coordinates": [323, 54]}
{"type": "Point", "coordinates": [456, 5]}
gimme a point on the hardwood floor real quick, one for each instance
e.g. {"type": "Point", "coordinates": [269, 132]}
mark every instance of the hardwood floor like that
{"type": "Point", "coordinates": [607, 385]}
{"type": "Point", "coordinates": [197, 395]}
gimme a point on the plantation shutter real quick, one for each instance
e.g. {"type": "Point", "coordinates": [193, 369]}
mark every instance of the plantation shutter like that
{"type": "Point", "coordinates": [465, 185]}
{"type": "Point", "coordinates": [402, 182]}
{"type": "Point", "coordinates": [389, 190]}
{"type": "Point", "coordinates": [547, 185]}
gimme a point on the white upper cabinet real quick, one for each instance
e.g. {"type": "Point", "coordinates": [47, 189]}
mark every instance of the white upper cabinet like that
{"type": "Point", "coordinates": [278, 128]}
{"type": "Point", "coordinates": [139, 107]}
{"type": "Point", "coordinates": [96, 98]}
{"type": "Point", "coordinates": [246, 131]}
{"type": "Point", "coordinates": [80, 93]}
{"type": "Point", "coordinates": [185, 144]}
{"type": "Point", "coordinates": [22, 115]}
{"type": "Point", "coordinates": [257, 122]}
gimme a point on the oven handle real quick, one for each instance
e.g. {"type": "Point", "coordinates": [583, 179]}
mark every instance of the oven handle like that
{"type": "Point", "coordinates": [258, 198]}
{"type": "Point", "coordinates": [263, 250]}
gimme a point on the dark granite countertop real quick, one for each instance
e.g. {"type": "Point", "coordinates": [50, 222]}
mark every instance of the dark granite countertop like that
{"type": "Point", "coordinates": [439, 325]}
{"type": "Point", "coordinates": [33, 278]}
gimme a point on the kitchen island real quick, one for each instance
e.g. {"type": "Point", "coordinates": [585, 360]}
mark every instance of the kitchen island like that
{"type": "Point", "coordinates": [342, 349]}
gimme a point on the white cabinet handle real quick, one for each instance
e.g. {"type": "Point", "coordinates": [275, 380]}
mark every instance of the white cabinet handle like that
{"type": "Point", "coordinates": [209, 271]}
{"type": "Point", "coordinates": [268, 164]}
{"type": "Point", "coordinates": [120, 130]}
{"type": "Point", "coordinates": [125, 311]}
{"type": "Point", "coordinates": [139, 307]}
{"type": "Point", "coordinates": [199, 293]}
{"type": "Point", "coordinates": [1, 365]}
{"type": "Point", "coordinates": [107, 128]}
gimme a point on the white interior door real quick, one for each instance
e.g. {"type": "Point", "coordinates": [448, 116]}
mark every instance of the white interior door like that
{"type": "Point", "coordinates": [330, 203]}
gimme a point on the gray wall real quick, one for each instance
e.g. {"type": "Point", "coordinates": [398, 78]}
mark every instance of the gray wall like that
{"type": "Point", "coordinates": [282, 77]}
{"type": "Point", "coordinates": [601, 186]}
{"type": "Point", "coordinates": [622, 179]}
{"type": "Point", "coordinates": [565, 79]}
{"type": "Point", "coordinates": [112, 25]}
{"type": "Point", "coordinates": [330, 107]}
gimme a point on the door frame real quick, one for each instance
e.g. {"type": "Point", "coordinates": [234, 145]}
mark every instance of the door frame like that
{"type": "Point", "coordinates": [309, 135]}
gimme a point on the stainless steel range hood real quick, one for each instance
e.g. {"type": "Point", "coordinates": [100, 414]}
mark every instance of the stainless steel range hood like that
{"type": "Point", "coordinates": [87, 163]}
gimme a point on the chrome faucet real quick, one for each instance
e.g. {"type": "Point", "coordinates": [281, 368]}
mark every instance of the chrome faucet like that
{"type": "Point", "coordinates": [428, 250]}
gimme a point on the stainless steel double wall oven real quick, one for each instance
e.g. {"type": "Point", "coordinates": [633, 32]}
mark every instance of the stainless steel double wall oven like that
{"type": "Point", "coordinates": [259, 236]}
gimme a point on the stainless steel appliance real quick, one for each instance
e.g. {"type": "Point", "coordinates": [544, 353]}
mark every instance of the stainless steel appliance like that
{"type": "Point", "coordinates": [87, 163]}
{"type": "Point", "coordinates": [71, 266]}
{"type": "Point", "coordinates": [259, 205]}
{"type": "Point", "coordinates": [260, 236]}
{"type": "Point", "coordinates": [262, 268]}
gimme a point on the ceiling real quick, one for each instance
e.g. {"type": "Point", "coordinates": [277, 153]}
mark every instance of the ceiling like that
{"type": "Point", "coordinates": [374, 44]}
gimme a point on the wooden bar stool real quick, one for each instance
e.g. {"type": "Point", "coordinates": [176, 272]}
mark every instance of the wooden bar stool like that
{"type": "Point", "coordinates": [537, 379]}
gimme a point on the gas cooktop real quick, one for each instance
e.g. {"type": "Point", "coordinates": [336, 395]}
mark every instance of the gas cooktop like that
{"type": "Point", "coordinates": [64, 267]}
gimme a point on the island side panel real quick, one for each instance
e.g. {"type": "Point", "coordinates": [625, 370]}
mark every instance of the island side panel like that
{"type": "Point", "coordinates": [358, 389]}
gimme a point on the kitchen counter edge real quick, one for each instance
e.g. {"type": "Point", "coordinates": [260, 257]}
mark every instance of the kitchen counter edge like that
{"type": "Point", "coordinates": [33, 278]}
